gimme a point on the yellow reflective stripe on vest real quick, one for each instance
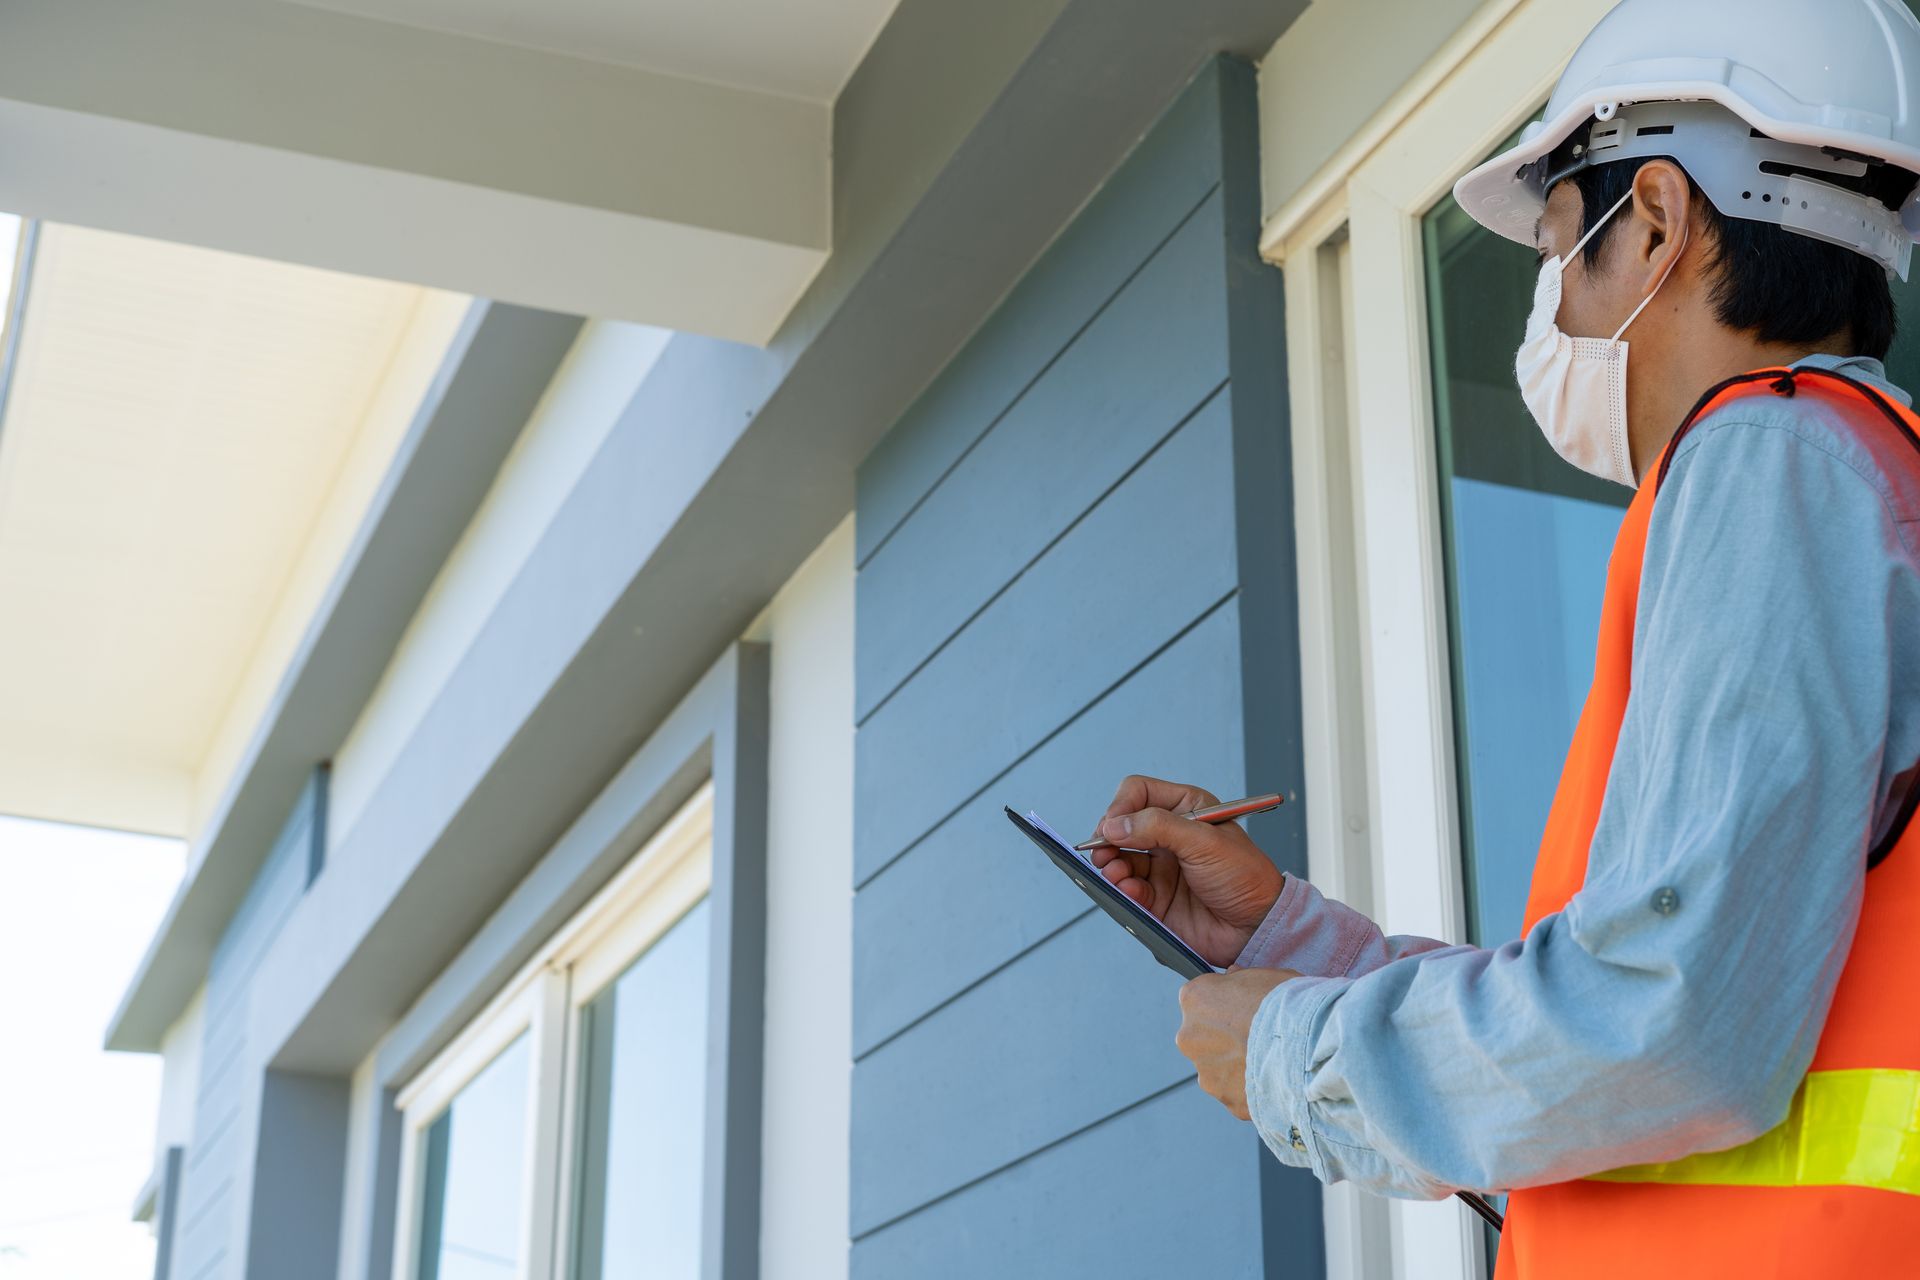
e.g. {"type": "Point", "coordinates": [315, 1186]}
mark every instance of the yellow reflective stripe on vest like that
{"type": "Point", "coordinates": [1844, 1128]}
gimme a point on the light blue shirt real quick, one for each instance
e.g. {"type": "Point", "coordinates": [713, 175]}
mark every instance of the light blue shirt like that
{"type": "Point", "coordinates": [1674, 1005]}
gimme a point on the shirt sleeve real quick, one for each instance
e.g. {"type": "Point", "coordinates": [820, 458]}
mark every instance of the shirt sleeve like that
{"type": "Point", "coordinates": [1674, 1005]}
{"type": "Point", "coordinates": [1313, 934]}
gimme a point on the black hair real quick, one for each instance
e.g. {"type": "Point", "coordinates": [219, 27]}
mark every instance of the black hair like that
{"type": "Point", "coordinates": [1779, 285]}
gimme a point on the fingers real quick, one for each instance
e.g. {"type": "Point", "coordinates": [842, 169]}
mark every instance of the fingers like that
{"type": "Point", "coordinates": [1163, 873]}
{"type": "Point", "coordinates": [1187, 840]}
{"type": "Point", "coordinates": [1148, 880]}
{"type": "Point", "coordinates": [1137, 791]}
{"type": "Point", "coordinates": [1127, 872]}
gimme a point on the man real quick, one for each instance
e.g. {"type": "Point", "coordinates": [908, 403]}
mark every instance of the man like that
{"type": "Point", "coordinates": [1703, 1058]}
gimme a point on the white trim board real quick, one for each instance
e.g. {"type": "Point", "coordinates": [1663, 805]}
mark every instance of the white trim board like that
{"type": "Point", "coordinates": [1550, 29]}
{"type": "Point", "coordinates": [1378, 729]}
{"type": "Point", "coordinates": [665, 879]}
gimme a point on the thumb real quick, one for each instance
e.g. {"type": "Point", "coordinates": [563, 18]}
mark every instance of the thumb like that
{"type": "Point", "coordinates": [1185, 839]}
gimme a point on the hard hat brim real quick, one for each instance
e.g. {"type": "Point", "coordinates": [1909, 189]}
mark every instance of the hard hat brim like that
{"type": "Point", "coordinates": [1499, 198]}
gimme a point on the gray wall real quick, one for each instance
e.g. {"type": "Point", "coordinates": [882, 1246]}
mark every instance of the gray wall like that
{"type": "Point", "coordinates": [217, 1174]}
{"type": "Point", "coordinates": [1075, 562]}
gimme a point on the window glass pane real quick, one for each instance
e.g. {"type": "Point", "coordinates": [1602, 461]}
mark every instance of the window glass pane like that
{"type": "Point", "coordinates": [475, 1154]}
{"type": "Point", "coordinates": [643, 1114]}
{"type": "Point", "coordinates": [1527, 539]}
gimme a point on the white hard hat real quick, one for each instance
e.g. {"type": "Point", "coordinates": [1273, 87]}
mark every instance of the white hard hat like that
{"type": "Point", "coordinates": [1804, 113]}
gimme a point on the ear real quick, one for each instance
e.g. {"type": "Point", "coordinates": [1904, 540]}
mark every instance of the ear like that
{"type": "Point", "coordinates": [1662, 207]}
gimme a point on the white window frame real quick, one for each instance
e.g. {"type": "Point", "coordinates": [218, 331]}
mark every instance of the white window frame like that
{"type": "Point", "coordinates": [1378, 716]}
{"type": "Point", "coordinates": [544, 1000]}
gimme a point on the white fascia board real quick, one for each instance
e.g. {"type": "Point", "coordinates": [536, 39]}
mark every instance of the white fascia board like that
{"type": "Point", "coordinates": [1339, 79]}
{"type": "Point", "coordinates": [368, 147]}
{"type": "Point", "coordinates": [148, 1196]}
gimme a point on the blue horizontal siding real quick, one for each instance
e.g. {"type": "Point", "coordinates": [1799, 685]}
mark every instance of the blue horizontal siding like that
{"type": "Point", "coordinates": [1075, 563]}
{"type": "Point", "coordinates": [1075, 1032]}
{"type": "Point", "coordinates": [924, 933]}
{"type": "Point", "coordinates": [1153, 1191]}
{"type": "Point", "coordinates": [1171, 172]}
{"type": "Point", "coordinates": [1153, 556]}
{"type": "Point", "coordinates": [1136, 372]}
{"type": "Point", "coordinates": [217, 1168]}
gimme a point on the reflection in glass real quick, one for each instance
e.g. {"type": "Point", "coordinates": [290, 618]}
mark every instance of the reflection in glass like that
{"type": "Point", "coordinates": [643, 1118]}
{"type": "Point", "coordinates": [475, 1155]}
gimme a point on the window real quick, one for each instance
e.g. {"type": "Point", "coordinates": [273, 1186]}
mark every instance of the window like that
{"type": "Point", "coordinates": [582, 1085]}
{"type": "Point", "coordinates": [642, 1117]}
{"type": "Point", "coordinates": [1526, 539]}
{"type": "Point", "coordinates": [471, 1198]}
{"type": "Point", "coordinates": [1416, 467]}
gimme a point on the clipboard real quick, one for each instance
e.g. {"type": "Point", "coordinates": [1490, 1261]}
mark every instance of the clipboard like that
{"type": "Point", "coordinates": [1166, 945]}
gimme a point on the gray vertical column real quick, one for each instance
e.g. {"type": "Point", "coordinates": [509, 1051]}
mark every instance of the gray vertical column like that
{"type": "Point", "coordinates": [299, 1177]}
{"type": "Point", "coordinates": [1290, 1212]}
{"type": "Point", "coordinates": [167, 1211]}
{"type": "Point", "coordinates": [737, 1019]}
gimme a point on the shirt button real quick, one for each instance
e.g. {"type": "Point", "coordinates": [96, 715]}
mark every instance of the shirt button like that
{"type": "Point", "coordinates": [1293, 1136]}
{"type": "Point", "coordinates": [1666, 900]}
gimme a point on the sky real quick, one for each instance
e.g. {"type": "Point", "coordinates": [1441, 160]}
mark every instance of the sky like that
{"type": "Point", "coordinates": [77, 909]}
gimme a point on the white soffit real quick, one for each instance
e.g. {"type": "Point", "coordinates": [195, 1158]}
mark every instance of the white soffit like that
{"type": "Point", "coordinates": [801, 48]}
{"type": "Point", "coordinates": [177, 422]}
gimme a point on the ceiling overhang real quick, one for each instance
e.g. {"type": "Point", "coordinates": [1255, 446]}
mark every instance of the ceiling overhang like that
{"type": "Point", "coordinates": [388, 150]}
{"type": "Point", "coordinates": [189, 439]}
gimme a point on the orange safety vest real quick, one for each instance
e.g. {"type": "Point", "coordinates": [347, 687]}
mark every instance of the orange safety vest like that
{"type": "Point", "coordinates": [1834, 1190]}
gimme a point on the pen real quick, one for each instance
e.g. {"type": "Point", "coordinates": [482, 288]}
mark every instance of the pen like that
{"type": "Point", "coordinates": [1212, 813]}
{"type": "Point", "coordinates": [1260, 804]}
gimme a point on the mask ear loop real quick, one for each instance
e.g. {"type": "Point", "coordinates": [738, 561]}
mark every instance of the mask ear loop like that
{"type": "Point", "coordinates": [1686, 234]}
{"type": "Point", "coordinates": [1594, 230]}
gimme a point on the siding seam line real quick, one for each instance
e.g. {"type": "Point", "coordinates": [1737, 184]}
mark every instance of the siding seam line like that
{"type": "Point", "coordinates": [216, 1197]}
{"type": "Point", "coordinates": [1064, 1138]}
{"type": "Point", "coordinates": [1026, 387]}
{"type": "Point", "coordinates": [210, 1141]}
{"type": "Point", "coordinates": [1053, 733]}
{"type": "Point", "coordinates": [1001, 590]}
{"type": "Point", "coordinates": [944, 1001]}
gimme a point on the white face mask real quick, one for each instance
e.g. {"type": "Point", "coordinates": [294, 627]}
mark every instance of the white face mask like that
{"type": "Point", "coordinates": [1576, 388]}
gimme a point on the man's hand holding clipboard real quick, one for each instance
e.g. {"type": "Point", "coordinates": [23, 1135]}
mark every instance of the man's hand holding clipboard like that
{"type": "Point", "coordinates": [1207, 886]}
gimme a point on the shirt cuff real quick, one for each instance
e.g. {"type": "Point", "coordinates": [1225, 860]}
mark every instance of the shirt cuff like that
{"type": "Point", "coordinates": [1307, 933]}
{"type": "Point", "coordinates": [1279, 1067]}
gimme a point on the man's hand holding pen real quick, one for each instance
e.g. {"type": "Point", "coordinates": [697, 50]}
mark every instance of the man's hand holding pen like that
{"type": "Point", "coordinates": [1213, 886]}
{"type": "Point", "coordinates": [1208, 882]}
